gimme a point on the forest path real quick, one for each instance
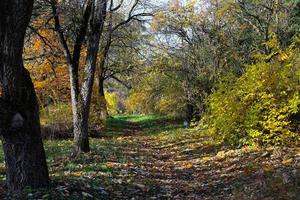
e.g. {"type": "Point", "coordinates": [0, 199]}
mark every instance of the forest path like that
{"type": "Point", "coordinates": [151, 157]}
{"type": "Point", "coordinates": [166, 161]}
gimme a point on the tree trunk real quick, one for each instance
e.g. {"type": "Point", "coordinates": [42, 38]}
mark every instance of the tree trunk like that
{"type": "Point", "coordinates": [22, 143]}
{"type": "Point", "coordinates": [102, 101]}
{"type": "Point", "coordinates": [91, 28]}
{"type": "Point", "coordinates": [81, 137]}
{"type": "Point", "coordinates": [101, 76]}
{"type": "Point", "coordinates": [81, 120]}
{"type": "Point", "coordinates": [189, 112]}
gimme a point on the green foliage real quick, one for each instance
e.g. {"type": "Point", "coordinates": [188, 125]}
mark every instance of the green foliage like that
{"type": "Point", "coordinates": [259, 106]}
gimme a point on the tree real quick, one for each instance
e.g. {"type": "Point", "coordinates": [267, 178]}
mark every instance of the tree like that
{"type": "Point", "coordinates": [89, 31]}
{"type": "Point", "coordinates": [19, 111]}
{"type": "Point", "coordinates": [115, 22]}
{"type": "Point", "coordinates": [156, 88]}
{"type": "Point", "coordinates": [44, 59]}
{"type": "Point", "coordinates": [214, 37]}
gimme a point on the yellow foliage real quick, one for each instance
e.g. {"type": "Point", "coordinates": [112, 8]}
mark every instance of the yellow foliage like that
{"type": "Point", "coordinates": [259, 106]}
{"type": "Point", "coordinates": [40, 84]}
{"type": "Point", "coordinates": [111, 102]}
{"type": "Point", "coordinates": [287, 161]}
{"type": "Point", "coordinates": [78, 174]}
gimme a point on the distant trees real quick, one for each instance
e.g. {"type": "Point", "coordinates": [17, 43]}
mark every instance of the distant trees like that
{"type": "Point", "coordinates": [157, 87]}
{"type": "Point", "coordinates": [19, 111]}
{"type": "Point", "coordinates": [212, 38]}
{"type": "Point", "coordinates": [114, 33]}
{"type": "Point", "coordinates": [224, 62]}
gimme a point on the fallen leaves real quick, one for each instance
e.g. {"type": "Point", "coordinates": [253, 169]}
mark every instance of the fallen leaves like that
{"type": "Point", "coordinates": [78, 174]}
{"type": "Point", "coordinates": [287, 161]}
{"type": "Point", "coordinates": [220, 155]}
{"type": "Point", "coordinates": [174, 164]}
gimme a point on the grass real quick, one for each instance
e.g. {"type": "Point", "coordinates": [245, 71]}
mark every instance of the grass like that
{"type": "Point", "coordinates": [132, 124]}
{"type": "Point", "coordinates": [153, 157]}
{"type": "Point", "coordinates": [137, 118]}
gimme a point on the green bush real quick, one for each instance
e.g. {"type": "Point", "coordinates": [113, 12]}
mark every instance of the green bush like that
{"type": "Point", "coordinates": [260, 106]}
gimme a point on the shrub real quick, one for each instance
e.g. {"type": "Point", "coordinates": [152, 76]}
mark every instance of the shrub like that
{"type": "Point", "coordinates": [260, 106]}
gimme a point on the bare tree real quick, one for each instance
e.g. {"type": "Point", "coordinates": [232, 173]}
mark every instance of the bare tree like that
{"type": "Point", "coordinates": [19, 111]}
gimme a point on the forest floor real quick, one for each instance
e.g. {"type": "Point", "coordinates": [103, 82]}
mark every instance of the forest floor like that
{"type": "Point", "coordinates": [149, 157]}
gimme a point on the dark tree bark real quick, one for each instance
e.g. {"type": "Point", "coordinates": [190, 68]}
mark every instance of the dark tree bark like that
{"type": "Point", "coordinates": [104, 54]}
{"type": "Point", "coordinates": [189, 112]}
{"type": "Point", "coordinates": [102, 101]}
{"type": "Point", "coordinates": [19, 121]}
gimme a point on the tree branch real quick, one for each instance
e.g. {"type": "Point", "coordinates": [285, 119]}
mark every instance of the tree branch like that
{"type": "Point", "coordinates": [60, 32]}
{"type": "Point", "coordinates": [122, 82]}
{"type": "Point", "coordinates": [44, 39]}
{"type": "Point", "coordinates": [81, 34]}
{"type": "Point", "coordinates": [117, 7]}
{"type": "Point", "coordinates": [130, 18]}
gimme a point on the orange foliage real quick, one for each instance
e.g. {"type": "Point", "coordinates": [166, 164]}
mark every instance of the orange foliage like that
{"type": "Point", "coordinates": [46, 63]}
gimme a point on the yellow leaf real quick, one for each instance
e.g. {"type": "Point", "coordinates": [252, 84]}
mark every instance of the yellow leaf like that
{"type": "Point", "coordinates": [77, 174]}
{"type": "Point", "coordinates": [268, 168]}
{"type": "Point", "coordinates": [283, 56]}
{"type": "Point", "coordinates": [220, 155]}
{"type": "Point", "coordinates": [109, 164]}
{"type": "Point", "coordinates": [287, 161]}
{"type": "Point", "coordinates": [206, 158]}
{"type": "Point", "coordinates": [188, 166]}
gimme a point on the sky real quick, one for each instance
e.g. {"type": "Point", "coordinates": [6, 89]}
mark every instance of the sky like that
{"type": "Point", "coordinates": [158, 2]}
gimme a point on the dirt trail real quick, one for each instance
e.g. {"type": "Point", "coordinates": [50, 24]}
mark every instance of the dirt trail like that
{"type": "Point", "coordinates": [185, 169]}
{"type": "Point", "coordinates": [160, 160]}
